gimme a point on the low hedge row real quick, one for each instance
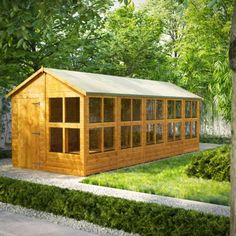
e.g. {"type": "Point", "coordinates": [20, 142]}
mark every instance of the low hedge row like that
{"type": "Point", "coordinates": [130, 216]}
{"type": "Point", "coordinates": [5, 153]}
{"type": "Point", "coordinates": [215, 139]}
{"type": "Point", "coordinates": [211, 164]}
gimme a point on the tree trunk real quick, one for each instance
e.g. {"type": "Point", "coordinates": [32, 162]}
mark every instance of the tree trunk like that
{"type": "Point", "coordinates": [233, 161]}
{"type": "Point", "coordinates": [232, 59]}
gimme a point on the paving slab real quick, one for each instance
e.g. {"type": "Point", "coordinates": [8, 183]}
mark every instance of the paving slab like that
{"type": "Point", "coordinates": [12, 224]}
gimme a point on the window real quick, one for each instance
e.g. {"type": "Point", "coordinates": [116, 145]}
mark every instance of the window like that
{"type": "Point", "coordinates": [194, 129]}
{"type": "Point", "coordinates": [56, 140]}
{"type": "Point", "coordinates": [55, 109]}
{"type": "Point", "coordinates": [159, 133]}
{"type": "Point", "coordinates": [171, 109]}
{"type": "Point", "coordinates": [125, 109]}
{"type": "Point", "coordinates": [109, 138]}
{"type": "Point", "coordinates": [178, 131]}
{"type": "Point", "coordinates": [109, 104]}
{"type": "Point", "coordinates": [150, 109]}
{"type": "Point", "coordinates": [187, 109]}
{"type": "Point", "coordinates": [95, 106]}
{"type": "Point", "coordinates": [136, 109]}
{"type": "Point", "coordinates": [150, 133]}
{"type": "Point", "coordinates": [136, 135]}
{"type": "Point", "coordinates": [125, 137]}
{"type": "Point", "coordinates": [187, 130]}
{"type": "Point", "coordinates": [171, 131]}
{"type": "Point", "coordinates": [72, 141]}
{"type": "Point", "coordinates": [194, 109]}
{"type": "Point", "coordinates": [159, 109]}
{"type": "Point", "coordinates": [95, 140]}
{"type": "Point", "coordinates": [178, 109]}
{"type": "Point", "coordinates": [72, 110]}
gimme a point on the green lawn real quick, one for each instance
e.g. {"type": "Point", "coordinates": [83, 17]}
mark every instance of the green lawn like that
{"type": "Point", "coordinates": [165, 177]}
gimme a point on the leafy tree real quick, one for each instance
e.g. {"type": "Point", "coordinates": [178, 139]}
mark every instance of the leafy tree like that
{"type": "Point", "coordinates": [203, 61]}
{"type": "Point", "coordinates": [35, 33]}
{"type": "Point", "coordinates": [130, 46]}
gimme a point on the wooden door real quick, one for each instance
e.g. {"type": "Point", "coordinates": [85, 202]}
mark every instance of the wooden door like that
{"type": "Point", "coordinates": [29, 133]}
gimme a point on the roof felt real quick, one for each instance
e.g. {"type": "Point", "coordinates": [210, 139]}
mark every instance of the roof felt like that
{"type": "Point", "coordinates": [100, 84]}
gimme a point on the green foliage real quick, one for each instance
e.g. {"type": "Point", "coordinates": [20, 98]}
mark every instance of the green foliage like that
{"type": "Point", "coordinates": [215, 139]}
{"type": "Point", "coordinates": [130, 216]}
{"type": "Point", "coordinates": [35, 33]}
{"type": "Point", "coordinates": [203, 53]}
{"type": "Point", "coordinates": [5, 153]}
{"type": "Point", "coordinates": [165, 177]}
{"type": "Point", "coordinates": [129, 46]}
{"type": "Point", "coordinates": [212, 164]}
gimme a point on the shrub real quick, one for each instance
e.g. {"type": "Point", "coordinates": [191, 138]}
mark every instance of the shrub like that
{"type": "Point", "coordinates": [5, 153]}
{"type": "Point", "coordinates": [130, 216]}
{"type": "Point", "coordinates": [215, 139]}
{"type": "Point", "coordinates": [212, 164]}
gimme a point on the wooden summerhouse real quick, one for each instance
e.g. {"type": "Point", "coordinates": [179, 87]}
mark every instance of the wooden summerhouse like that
{"type": "Point", "coordinates": [83, 123]}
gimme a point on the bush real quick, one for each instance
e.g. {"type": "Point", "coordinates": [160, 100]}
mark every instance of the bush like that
{"type": "Point", "coordinates": [212, 164]}
{"type": "Point", "coordinates": [130, 216]}
{"type": "Point", "coordinates": [215, 139]}
{"type": "Point", "coordinates": [5, 153]}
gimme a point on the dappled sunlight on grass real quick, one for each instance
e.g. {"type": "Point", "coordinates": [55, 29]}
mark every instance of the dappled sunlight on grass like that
{"type": "Point", "coordinates": [165, 177]}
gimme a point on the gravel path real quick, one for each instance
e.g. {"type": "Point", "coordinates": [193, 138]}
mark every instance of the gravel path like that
{"type": "Point", "coordinates": [62, 221]}
{"type": "Point", "coordinates": [72, 182]}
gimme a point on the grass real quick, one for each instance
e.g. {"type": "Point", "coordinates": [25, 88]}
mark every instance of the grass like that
{"type": "Point", "coordinates": [165, 177]}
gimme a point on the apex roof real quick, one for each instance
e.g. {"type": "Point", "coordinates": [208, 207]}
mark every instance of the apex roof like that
{"type": "Point", "coordinates": [99, 84]}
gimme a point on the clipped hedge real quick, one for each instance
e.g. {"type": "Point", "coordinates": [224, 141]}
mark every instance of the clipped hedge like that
{"type": "Point", "coordinates": [211, 164]}
{"type": "Point", "coordinates": [215, 139]}
{"type": "Point", "coordinates": [5, 153]}
{"type": "Point", "coordinates": [130, 216]}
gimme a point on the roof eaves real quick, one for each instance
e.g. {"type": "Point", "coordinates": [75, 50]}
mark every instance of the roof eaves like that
{"type": "Point", "coordinates": [25, 82]}
{"type": "Point", "coordinates": [141, 95]}
{"type": "Point", "coordinates": [83, 92]}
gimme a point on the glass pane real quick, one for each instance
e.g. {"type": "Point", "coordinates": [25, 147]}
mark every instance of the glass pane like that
{"type": "Point", "coordinates": [56, 140]}
{"type": "Point", "coordinates": [55, 109]}
{"type": "Point", "coordinates": [125, 136]}
{"type": "Point", "coordinates": [194, 129]}
{"type": "Point", "coordinates": [159, 133]}
{"type": "Point", "coordinates": [72, 110]}
{"type": "Point", "coordinates": [125, 109]}
{"type": "Point", "coordinates": [178, 109]}
{"type": "Point", "coordinates": [109, 138]}
{"type": "Point", "coordinates": [159, 109]}
{"type": "Point", "coordinates": [136, 135]}
{"type": "Point", "coordinates": [150, 106]}
{"type": "Point", "coordinates": [171, 109]}
{"type": "Point", "coordinates": [187, 109]}
{"type": "Point", "coordinates": [109, 104]}
{"type": "Point", "coordinates": [136, 109]}
{"type": "Point", "coordinates": [95, 105]}
{"type": "Point", "coordinates": [150, 133]}
{"type": "Point", "coordinates": [171, 131]}
{"type": "Point", "coordinates": [187, 129]}
{"type": "Point", "coordinates": [178, 131]}
{"type": "Point", "coordinates": [95, 140]}
{"type": "Point", "coordinates": [194, 109]}
{"type": "Point", "coordinates": [73, 141]}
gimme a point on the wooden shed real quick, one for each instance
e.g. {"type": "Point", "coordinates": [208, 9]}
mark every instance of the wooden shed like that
{"type": "Point", "coordinates": [83, 123]}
